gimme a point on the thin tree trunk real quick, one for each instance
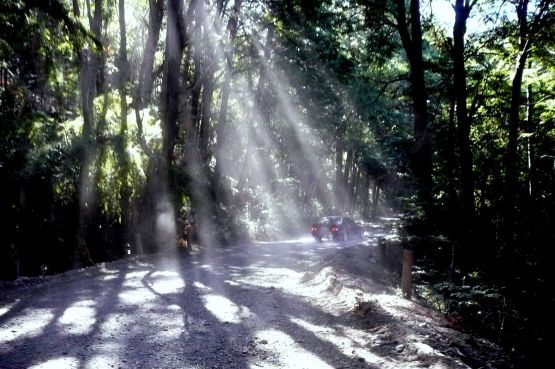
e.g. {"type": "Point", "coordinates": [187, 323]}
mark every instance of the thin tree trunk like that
{"type": "Point", "coordinates": [346, 176]}
{"type": "Point", "coordinates": [193, 133]}
{"type": "Point", "coordinates": [514, 121]}
{"type": "Point", "coordinates": [462, 12]}
{"type": "Point", "coordinates": [339, 150]}
{"type": "Point", "coordinates": [355, 186]}
{"type": "Point", "coordinates": [124, 161]}
{"type": "Point", "coordinates": [175, 40]}
{"type": "Point", "coordinates": [146, 209]}
{"type": "Point", "coordinates": [412, 44]}
{"type": "Point", "coordinates": [146, 75]}
{"type": "Point", "coordinates": [89, 65]}
{"type": "Point", "coordinates": [529, 146]}
{"type": "Point", "coordinates": [206, 115]}
{"type": "Point", "coordinates": [375, 199]}
{"type": "Point", "coordinates": [365, 194]}
{"type": "Point", "coordinates": [452, 162]}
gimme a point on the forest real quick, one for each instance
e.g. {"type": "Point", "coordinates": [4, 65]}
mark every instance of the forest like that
{"type": "Point", "coordinates": [122, 120]}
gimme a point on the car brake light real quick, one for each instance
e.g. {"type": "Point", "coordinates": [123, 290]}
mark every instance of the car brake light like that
{"type": "Point", "coordinates": [314, 228]}
{"type": "Point", "coordinates": [334, 229]}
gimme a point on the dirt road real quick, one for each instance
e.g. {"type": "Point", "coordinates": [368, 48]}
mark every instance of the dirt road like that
{"type": "Point", "coordinates": [293, 304]}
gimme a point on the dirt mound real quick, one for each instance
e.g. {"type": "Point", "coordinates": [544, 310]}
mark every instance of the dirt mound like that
{"type": "Point", "coordinates": [364, 285]}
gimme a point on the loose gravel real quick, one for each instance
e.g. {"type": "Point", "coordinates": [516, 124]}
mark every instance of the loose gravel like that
{"type": "Point", "coordinates": [292, 304]}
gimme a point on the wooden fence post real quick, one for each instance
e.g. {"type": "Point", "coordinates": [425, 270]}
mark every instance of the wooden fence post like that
{"type": "Point", "coordinates": [406, 277]}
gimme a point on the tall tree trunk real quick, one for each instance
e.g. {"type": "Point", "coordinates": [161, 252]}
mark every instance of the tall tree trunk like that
{"type": "Point", "coordinates": [225, 92]}
{"type": "Point", "coordinates": [164, 201]}
{"type": "Point", "coordinates": [365, 194]}
{"type": "Point", "coordinates": [146, 209]}
{"type": "Point", "coordinates": [354, 186]}
{"type": "Point", "coordinates": [462, 12]}
{"type": "Point", "coordinates": [124, 161]}
{"type": "Point", "coordinates": [528, 32]}
{"type": "Point", "coordinates": [529, 146]}
{"type": "Point", "coordinates": [375, 198]}
{"type": "Point", "coordinates": [339, 189]}
{"type": "Point", "coordinates": [346, 176]}
{"type": "Point", "coordinates": [452, 164]}
{"type": "Point", "coordinates": [175, 40]}
{"type": "Point", "coordinates": [514, 121]}
{"type": "Point", "coordinates": [206, 115]}
{"type": "Point", "coordinates": [412, 44]}
{"type": "Point", "coordinates": [89, 71]}
{"type": "Point", "coordinates": [198, 50]}
{"type": "Point", "coordinates": [146, 75]}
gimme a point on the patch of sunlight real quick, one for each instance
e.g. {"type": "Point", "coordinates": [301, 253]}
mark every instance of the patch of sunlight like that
{"type": "Point", "coordinates": [79, 318]}
{"type": "Point", "coordinates": [58, 363]}
{"type": "Point", "coordinates": [393, 304]}
{"type": "Point", "coordinates": [225, 310]}
{"type": "Point", "coordinates": [360, 338]}
{"type": "Point", "coordinates": [136, 296]}
{"type": "Point", "coordinates": [164, 274]}
{"type": "Point", "coordinates": [424, 349]}
{"type": "Point", "coordinates": [200, 286]}
{"type": "Point", "coordinates": [302, 240]}
{"type": "Point", "coordinates": [115, 325]}
{"type": "Point", "coordinates": [134, 290]}
{"type": "Point", "coordinates": [108, 278]}
{"type": "Point", "coordinates": [316, 329]}
{"type": "Point", "coordinates": [106, 269]}
{"type": "Point", "coordinates": [174, 307]}
{"type": "Point", "coordinates": [4, 309]}
{"type": "Point", "coordinates": [232, 283]}
{"type": "Point", "coordinates": [109, 347]}
{"type": "Point", "coordinates": [165, 282]}
{"type": "Point", "coordinates": [101, 361]}
{"type": "Point", "coordinates": [271, 277]}
{"type": "Point", "coordinates": [134, 279]}
{"type": "Point", "coordinates": [29, 324]}
{"type": "Point", "coordinates": [168, 322]}
{"type": "Point", "coordinates": [294, 357]}
{"type": "Point", "coordinates": [172, 330]}
{"type": "Point", "coordinates": [342, 342]}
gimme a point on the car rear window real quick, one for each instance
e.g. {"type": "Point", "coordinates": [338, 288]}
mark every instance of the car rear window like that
{"type": "Point", "coordinates": [330, 220]}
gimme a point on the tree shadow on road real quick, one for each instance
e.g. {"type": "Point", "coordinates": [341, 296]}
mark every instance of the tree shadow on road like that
{"type": "Point", "coordinates": [223, 308]}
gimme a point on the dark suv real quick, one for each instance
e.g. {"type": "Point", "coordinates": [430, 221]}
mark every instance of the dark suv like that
{"type": "Point", "coordinates": [337, 228]}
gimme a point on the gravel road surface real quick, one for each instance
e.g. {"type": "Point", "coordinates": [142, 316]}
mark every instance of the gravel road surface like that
{"type": "Point", "coordinates": [291, 304]}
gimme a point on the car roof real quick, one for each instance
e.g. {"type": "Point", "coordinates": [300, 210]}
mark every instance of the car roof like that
{"type": "Point", "coordinates": [333, 219]}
